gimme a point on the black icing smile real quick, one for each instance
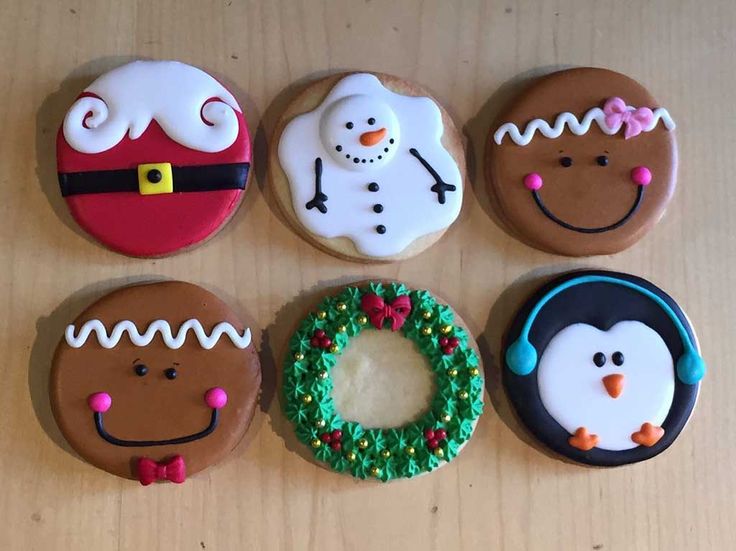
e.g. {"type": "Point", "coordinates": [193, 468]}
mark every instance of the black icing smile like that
{"type": "Point", "coordinates": [621, 222]}
{"type": "Point", "coordinates": [358, 160]}
{"type": "Point", "coordinates": [143, 443]}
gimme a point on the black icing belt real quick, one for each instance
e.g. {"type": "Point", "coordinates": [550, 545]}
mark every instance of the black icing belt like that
{"type": "Point", "coordinates": [186, 178]}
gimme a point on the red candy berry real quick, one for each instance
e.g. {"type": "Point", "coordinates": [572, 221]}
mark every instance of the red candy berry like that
{"type": "Point", "coordinates": [315, 342]}
{"type": "Point", "coordinates": [325, 437]}
{"type": "Point", "coordinates": [444, 341]}
{"type": "Point", "coordinates": [326, 342]}
{"type": "Point", "coordinates": [337, 446]}
{"type": "Point", "coordinates": [428, 434]}
{"type": "Point", "coordinates": [440, 434]}
{"type": "Point", "coordinates": [447, 350]}
{"type": "Point", "coordinates": [433, 443]}
{"type": "Point", "coordinates": [337, 434]}
{"type": "Point", "coordinates": [453, 341]}
{"type": "Point", "coordinates": [319, 333]}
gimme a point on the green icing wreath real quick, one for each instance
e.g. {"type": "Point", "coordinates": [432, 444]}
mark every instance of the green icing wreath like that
{"type": "Point", "coordinates": [382, 453]}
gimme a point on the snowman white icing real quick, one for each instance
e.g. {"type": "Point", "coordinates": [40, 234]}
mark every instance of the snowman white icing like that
{"type": "Point", "coordinates": [573, 391]}
{"type": "Point", "coordinates": [192, 108]}
{"type": "Point", "coordinates": [380, 157]}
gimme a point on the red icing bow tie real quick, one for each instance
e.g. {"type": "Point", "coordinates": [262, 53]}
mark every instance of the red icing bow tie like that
{"type": "Point", "coordinates": [173, 470]}
{"type": "Point", "coordinates": [378, 310]}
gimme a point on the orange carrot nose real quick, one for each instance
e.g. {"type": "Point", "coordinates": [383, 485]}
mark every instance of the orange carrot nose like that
{"type": "Point", "coordinates": [614, 384]}
{"type": "Point", "coordinates": [372, 138]}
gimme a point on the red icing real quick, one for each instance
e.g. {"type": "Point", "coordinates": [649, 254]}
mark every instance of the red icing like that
{"type": "Point", "coordinates": [152, 225]}
{"type": "Point", "coordinates": [172, 470]}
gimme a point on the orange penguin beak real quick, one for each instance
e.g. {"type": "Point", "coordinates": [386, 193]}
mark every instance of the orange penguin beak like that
{"type": "Point", "coordinates": [614, 384]}
{"type": "Point", "coordinates": [372, 138]}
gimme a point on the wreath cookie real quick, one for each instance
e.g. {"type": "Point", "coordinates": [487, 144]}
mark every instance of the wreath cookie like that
{"type": "Point", "coordinates": [153, 158]}
{"type": "Point", "coordinates": [583, 162]}
{"type": "Point", "coordinates": [155, 382]}
{"type": "Point", "coordinates": [421, 445]}
{"type": "Point", "coordinates": [368, 166]}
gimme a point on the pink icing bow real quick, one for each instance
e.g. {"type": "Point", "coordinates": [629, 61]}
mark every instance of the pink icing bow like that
{"type": "Point", "coordinates": [617, 114]}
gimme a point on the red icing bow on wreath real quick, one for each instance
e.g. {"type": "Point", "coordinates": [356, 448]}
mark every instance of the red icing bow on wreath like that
{"type": "Point", "coordinates": [378, 310]}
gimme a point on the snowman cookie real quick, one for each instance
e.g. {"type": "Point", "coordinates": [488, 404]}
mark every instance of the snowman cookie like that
{"type": "Point", "coordinates": [603, 367]}
{"type": "Point", "coordinates": [369, 166]}
{"type": "Point", "coordinates": [582, 163]}
{"type": "Point", "coordinates": [383, 381]}
{"type": "Point", "coordinates": [153, 157]}
{"type": "Point", "coordinates": [155, 382]}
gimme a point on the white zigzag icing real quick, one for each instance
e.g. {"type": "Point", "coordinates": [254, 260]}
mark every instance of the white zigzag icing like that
{"type": "Point", "coordinates": [157, 326]}
{"type": "Point", "coordinates": [577, 127]}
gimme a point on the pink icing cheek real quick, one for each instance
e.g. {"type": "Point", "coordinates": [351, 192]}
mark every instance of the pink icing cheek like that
{"type": "Point", "coordinates": [533, 181]}
{"type": "Point", "coordinates": [641, 176]}
{"type": "Point", "coordinates": [216, 398]}
{"type": "Point", "coordinates": [99, 402]}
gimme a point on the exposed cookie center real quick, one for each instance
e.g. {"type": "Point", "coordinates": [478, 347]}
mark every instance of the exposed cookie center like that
{"type": "Point", "coordinates": [382, 381]}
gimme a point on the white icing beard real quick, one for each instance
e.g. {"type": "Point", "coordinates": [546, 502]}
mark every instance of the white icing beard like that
{"type": "Point", "coordinates": [572, 390]}
{"type": "Point", "coordinates": [171, 93]}
{"type": "Point", "coordinates": [410, 209]}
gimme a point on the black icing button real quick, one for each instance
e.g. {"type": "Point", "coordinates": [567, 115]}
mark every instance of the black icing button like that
{"type": "Point", "coordinates": [378, 208]}
{"type": "Point", "coordinates": [373, 186]}
{"type": "Point", "coordinates": [381, 229]}
{"type": "Point", "coordinates": [154, 176]}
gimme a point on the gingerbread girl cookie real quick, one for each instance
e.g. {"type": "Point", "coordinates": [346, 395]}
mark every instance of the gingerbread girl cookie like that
{"type": "Point", "coordinates": [582, 163]}
{"type": "Point", "coordinates": [153, 157]}
{"type": "Point", "coordinates": [603, 367]}
{"type": "Point", "coordinates": [155, 382]}
{"type": "Point", "coordinates": [368, 166]}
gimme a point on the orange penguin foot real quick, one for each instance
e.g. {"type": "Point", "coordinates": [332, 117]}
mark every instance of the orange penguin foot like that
{"type": "Point", "coordinates": [648, 435]}
{"type": "Point", "coordinates": [583, 440]}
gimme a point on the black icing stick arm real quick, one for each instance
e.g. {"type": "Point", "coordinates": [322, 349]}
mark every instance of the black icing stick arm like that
{"type": "Point", "coordinates": [318, 201]}
{"type": "Point", "coordinates": [440, 187]}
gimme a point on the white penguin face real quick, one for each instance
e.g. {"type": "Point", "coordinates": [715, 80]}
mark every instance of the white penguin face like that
{"type": "Point", "coordinates": [610, 382]}
{"type": "Point", "coordinates": [360, 132]}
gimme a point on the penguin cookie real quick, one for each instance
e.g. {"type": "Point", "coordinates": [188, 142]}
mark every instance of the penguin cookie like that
{"type": "Point", "coordinates": [582, 163]}
{"type": "Point", "coordinates": [153, 158]}
{"type": "Point", "coordinates": [602, 367]}
{"type": "Point", "coordinates": [368, 167]}
{"type": "Point", "coordinates": [155, 382]}
{"type": "Point", "coordinates": [383, 382]}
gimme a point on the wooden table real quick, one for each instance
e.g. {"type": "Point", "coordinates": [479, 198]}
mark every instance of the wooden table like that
{"type": "Point", "coordinates": [500, 493]}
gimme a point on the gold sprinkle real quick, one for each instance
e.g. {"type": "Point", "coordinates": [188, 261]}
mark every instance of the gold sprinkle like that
{"type": "Point", "coordinates": [474, 372]}
{"type": "Point", "coordinates": [427, 314]}
{"type": "Point", "coordinates": [298, 356]}
{"type": "Point", "coordinates": [463, 394]}
{"type": "Point", "coordinates": [426, 331]}
{"type": "Point", "coordinates": [322, 374]}
{"type": "Point", "coordinates": [321, 314]}
{"type": "Point", "coordinates": [341, 306]}
{"type": "Point", "coordinates": [316, 443]}
{"type": "Point", "coordinates": [307, 399]}
{"type": "Point", "coordinates": [452, 372]}
{"type": "Point", "coordinates": [362, 320]}
{"type": "Point", "coordinates": [375, 471]}
{"type": "Point", "coordinates": [446, 329]}
{"type": "Point", "coordinates": [350, 456]}
{"type": "Point", "coordinates": [341, 329]}
{"type": "Point", "coordinates": [320, 423]}
{"type": "Point", "coordinates": [362, 443]}
{"type": "Point", "coordinates": [439, 452]}
{"type": "Point", "coordinates": [385, 454]}
{"type": "Point", "coordinates": [410, 450]}
{"type": "Point", "coordinates": [334, 348]}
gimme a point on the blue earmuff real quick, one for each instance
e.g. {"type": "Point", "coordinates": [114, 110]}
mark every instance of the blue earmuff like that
{"type": "Point", "coordinates": [521, 356]}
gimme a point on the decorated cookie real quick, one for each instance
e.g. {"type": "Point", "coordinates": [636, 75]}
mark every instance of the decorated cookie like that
{"type": "Point", "coordinates": [153, 157]}
{"type": "Point", "coordinates": [582, 163]}
{"type": "Point", "coordinates": [368, 167]}
{"type": "Point", "coordinates": [603, 368]}
{"type": "Point", "coordinates": [355, 393]}
{"type": "Point", "coordinates": [155, 382]}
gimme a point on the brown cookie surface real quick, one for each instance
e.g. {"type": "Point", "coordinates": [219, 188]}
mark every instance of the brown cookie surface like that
{"type": "Point", "coordinates": [153, 372]}
{"type": "Point", "coordinates": [583, 162]}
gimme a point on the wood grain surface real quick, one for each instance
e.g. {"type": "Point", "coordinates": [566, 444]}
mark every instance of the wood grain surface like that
{"type": "Point", "coordinates": [501, 493]}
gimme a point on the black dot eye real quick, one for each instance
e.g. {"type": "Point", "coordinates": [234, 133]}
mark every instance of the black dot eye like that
{"type": "Point", "coordinates": [599, 359]}
{"type": "Point", "coordinates": [140, 370]}
{"type": "Point", "coordinates": [349, 126]}
{"type": "Point", "coordinates": [566, 161]}
{"type": "Point", "coordinates": [170, 373]}
{"type": "Point", "coordinates": [602, 160]}
{"type": "Point", "coordinates": [618, 358]}
{"type": "Point", "coordinates": [371, 121]}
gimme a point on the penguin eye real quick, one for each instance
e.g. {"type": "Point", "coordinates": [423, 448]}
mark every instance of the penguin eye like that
{"type": "Point", "coordinates": [617, 358]}
{"type": "Point", "coordinates": [349, 126]}
{"type": "Point", "coordinates": [599, 359]}
{"type": "Point", "coordinates": [371, 121]}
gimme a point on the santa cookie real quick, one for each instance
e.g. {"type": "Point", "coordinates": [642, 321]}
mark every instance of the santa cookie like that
{"type": "Point", "coordinates": [603, 367]}
{"type": "Point", "coordinates": [368, 166]}
{"type": "Point", "coordinates": [382, 381]}
{"type": "Point", "coordinates": [582, 163]}
{"type": "Point", "coordinates": [153, 157]}
{"type": "Point", "coordinates": [155, 382]}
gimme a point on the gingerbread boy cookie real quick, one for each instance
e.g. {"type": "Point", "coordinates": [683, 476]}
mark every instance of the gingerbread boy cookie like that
{"type": "Point", "coordinates": [368, 166]}
{"type": "Point", "coordinates": [155, 382]}
{"type": "Point", "coordinates": [153, 157]}
{"type": "Point", "coordinates": [582, 163]}
{"type": "Point", "coordinates": [603, 367]}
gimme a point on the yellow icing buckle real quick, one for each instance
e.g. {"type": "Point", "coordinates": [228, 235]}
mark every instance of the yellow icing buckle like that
{"type": "Point", "coordinates": [155, 178]}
